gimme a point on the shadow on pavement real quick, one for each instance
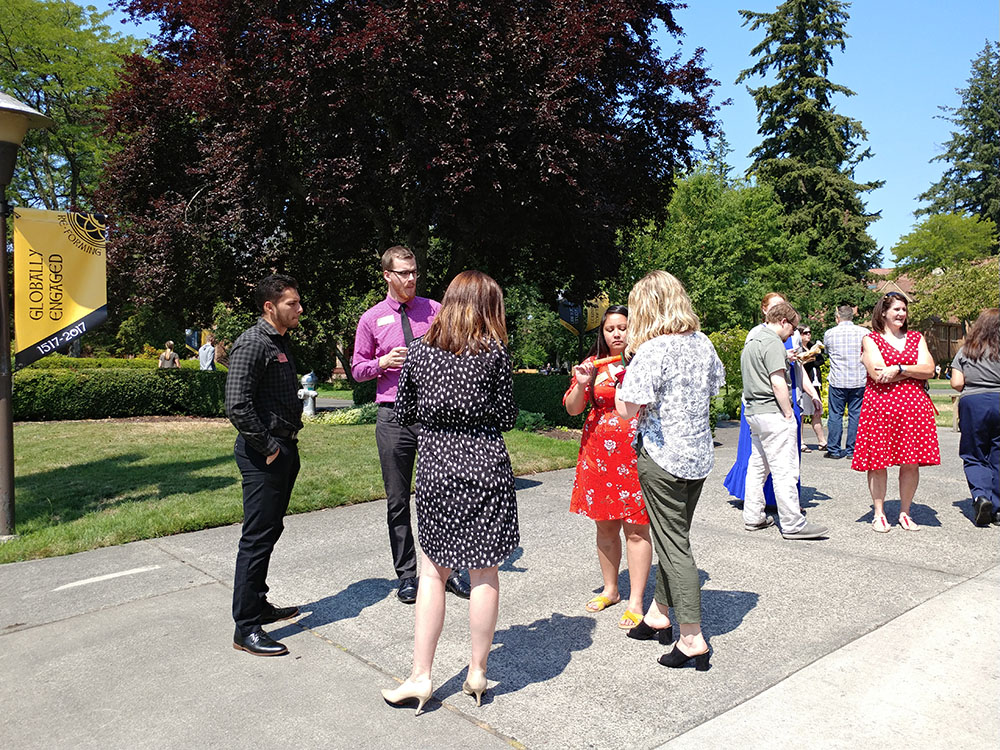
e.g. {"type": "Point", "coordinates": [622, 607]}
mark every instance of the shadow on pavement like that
{"type": "Point", "coordinates": [965, 506]}
{"type": "Point", "coordinates": [923, 515]}
{"type": "Point", "coordinates": [809, 496]}
{"type": "Point", "coordinates": [508, 565]}
{"type": "Point", "coordinates": [344, 605]}
{"type": "Point", "coordinates": [528, 654]}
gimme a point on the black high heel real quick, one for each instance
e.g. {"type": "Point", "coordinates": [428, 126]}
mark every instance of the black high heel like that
{"type": "Point", "coordinates": [676, 658]}
{"type": "Point", "coordinates": [643, 632]}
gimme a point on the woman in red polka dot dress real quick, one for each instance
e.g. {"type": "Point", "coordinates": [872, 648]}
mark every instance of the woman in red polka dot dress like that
{"type": "Point", "coordinates": [897, 418]}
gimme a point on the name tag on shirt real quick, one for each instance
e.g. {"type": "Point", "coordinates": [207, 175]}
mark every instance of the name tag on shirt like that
{"type": "Point", "coordinates": [282, 357]}
{"type": "Point", "coordinates": [385, 320]}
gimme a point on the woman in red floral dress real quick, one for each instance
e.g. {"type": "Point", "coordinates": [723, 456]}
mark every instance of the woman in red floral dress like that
{"type": "Point", "coordinates": [897, 418]}
{"type": "Point", "coordinates": [606, 488]}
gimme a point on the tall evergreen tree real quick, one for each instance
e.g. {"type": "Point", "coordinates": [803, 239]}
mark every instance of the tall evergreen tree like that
{"type": "Point", "coordinates": [971, 181]}
{"type": "Point", "coordinates": [62, 59]}
{"type": "Point", "coordinates": [809, 151]}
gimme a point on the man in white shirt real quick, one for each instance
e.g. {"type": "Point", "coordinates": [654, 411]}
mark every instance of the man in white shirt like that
{"type": "Point", "coordinates": [206, 354]}
{"type": "Point", "coordinates": [846, 382]}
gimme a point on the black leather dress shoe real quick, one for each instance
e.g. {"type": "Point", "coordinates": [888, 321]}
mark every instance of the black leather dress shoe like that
{"type": "Point", "coordinates": [273, 614]}
{"type": "Point", "coordinates": [983, 511]}
{"type": "Point", "coordinates": [407, 591]}
{"type": "Point", "coordinates": [457, 585]}
{"type": "Point", "coordinates": [258, 643]}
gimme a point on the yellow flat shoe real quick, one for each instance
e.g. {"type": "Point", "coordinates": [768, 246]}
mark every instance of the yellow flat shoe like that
{"type": "Point", "coordinates": [629, 620]}
{"type": "Point", "coordinates": [599, 603]}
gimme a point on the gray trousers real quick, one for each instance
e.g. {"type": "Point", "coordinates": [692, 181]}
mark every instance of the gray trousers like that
{"type": "Point", "coordinates": [670, 503]}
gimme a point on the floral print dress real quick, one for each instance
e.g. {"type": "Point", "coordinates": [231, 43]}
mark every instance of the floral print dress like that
{"type": "Point", "coordinates": [606, 487]}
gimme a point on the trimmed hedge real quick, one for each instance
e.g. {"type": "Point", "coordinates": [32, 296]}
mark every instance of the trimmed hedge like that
{"type": "Point", "coordinates": [533, 392]}
{"type": "Point", "coordinates": [90, 393]}
{"type": "Point", "coordinates": [364, 393]}
{"type": "Point", "coordinates": [543, 394]}
{"type": "Point", "coordinates": [60, 362]}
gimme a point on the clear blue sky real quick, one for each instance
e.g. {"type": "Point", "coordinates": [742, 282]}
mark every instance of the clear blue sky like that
{"type": "Point", "coordinates": [905, 58]}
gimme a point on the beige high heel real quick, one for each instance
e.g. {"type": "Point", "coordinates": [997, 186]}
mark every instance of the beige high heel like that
{"type": "Point", "coordinates": [421, 691]}
{"type": "Point", "coordinates": [475, 686]}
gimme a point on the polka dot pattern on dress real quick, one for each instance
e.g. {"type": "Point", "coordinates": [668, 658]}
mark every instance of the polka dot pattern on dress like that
{"type": "Point", "coordinates": [465, 498]}
{"type": "Point", "coordinates": [896, 426]}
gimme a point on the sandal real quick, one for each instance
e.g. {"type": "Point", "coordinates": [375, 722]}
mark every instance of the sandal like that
{"type": "Point", "coordinates": [907, 523]}
{"type": "Point", "coordinates": [599, 602]}
{"type": "Point", "coordinates": [822, 446]}
{"type": "Point", "coordinates": [880, 525]}
{"type": "Point", "coordinates": [805, 449]}
{"type": "Point", "coordinates": [629, 620]}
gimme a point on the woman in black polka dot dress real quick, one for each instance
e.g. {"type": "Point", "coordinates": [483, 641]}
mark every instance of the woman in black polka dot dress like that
{"type": "Point", "coordinates": [456, 382]}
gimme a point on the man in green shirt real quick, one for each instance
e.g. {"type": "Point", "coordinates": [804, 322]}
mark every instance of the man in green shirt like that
{"type": "Point", "coordinates": [773, 428]}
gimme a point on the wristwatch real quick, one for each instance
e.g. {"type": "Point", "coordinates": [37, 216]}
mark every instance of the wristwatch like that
{"type": "Point", "coordinates": [901, 370]}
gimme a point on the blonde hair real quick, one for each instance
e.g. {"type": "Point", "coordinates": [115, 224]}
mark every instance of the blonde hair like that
{"type": "Point", "coordinates": [471, 315]}
{"type": "Point", "coordinates": [658, 305]}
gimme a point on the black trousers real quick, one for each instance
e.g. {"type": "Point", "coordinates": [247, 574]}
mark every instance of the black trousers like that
{"type": "Point", "coordinates": [266, 491]}
{"type": "Point", "coordinates": [397, 451]}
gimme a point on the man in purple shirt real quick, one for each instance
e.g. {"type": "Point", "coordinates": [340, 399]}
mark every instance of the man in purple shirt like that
{"type": "Point", "coordinates": [384, 332]}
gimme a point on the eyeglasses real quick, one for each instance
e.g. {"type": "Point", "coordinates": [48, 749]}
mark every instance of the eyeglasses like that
{"type": "Point", "coordinates": [896, 294]}
{"type": "Point", "coordinates": [806, 330]}
{"type": "Point", "coordinates": [405, 274]}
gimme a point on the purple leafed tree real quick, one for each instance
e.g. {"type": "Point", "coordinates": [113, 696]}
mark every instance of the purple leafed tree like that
{"type": "Point", "coordinates": [308, 135]}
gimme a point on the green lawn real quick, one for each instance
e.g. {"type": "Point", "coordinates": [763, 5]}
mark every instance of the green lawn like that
{"type": "Point", "coordinates": [945, 409]}
{"type": "Point", "coordinates": [81, 485]}
{"type": "Point", "coordinates": [339, 390]}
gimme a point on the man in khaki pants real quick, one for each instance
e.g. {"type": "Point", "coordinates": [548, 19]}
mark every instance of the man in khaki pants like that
{"type": "Point", "coordinates": [773, 428]}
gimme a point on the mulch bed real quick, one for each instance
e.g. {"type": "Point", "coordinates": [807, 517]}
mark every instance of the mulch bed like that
{"type": "Point", "coordinates": [561, 434]}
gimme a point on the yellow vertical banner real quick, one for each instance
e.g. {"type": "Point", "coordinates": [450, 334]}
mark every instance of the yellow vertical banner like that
{"type": "Point", "coordinates": [60, 280]}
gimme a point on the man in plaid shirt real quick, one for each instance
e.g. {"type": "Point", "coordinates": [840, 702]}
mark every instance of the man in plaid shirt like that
{"type": "Point", "coordinates": [262, 403]}
{"type": "Point", "coordinates": [846, 382]}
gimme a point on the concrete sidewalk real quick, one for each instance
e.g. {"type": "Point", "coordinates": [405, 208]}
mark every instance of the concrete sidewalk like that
{"type": "Point", "coordinates": [862, 639]}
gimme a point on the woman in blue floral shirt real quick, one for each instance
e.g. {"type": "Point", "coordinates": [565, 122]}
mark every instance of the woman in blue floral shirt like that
{"type": "Point", "coordinates": [670, 381]}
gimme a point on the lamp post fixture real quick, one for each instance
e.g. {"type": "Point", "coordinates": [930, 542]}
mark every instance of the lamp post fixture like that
{"type": "Point", "coordinates": [15, 120]}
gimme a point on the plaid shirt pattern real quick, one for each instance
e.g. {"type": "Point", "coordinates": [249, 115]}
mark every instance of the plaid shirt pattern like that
{"type": "Point", "coordinates": [261, 388]}
{"type": "Point", "coordinates": [843, 347]}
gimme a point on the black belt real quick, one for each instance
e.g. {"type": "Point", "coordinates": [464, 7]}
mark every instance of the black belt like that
{"type": "Point", "coordinates": [387, 404]}
{"type": "Point", "coordinates": [289, 434]}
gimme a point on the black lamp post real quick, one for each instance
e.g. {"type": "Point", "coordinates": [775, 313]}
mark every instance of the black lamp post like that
{"type": "Point", "coordinates": [15, 120]}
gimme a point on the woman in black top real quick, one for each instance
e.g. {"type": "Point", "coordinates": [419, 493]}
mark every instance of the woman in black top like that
{"type": "Point", "coordinates": [805, 401]}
